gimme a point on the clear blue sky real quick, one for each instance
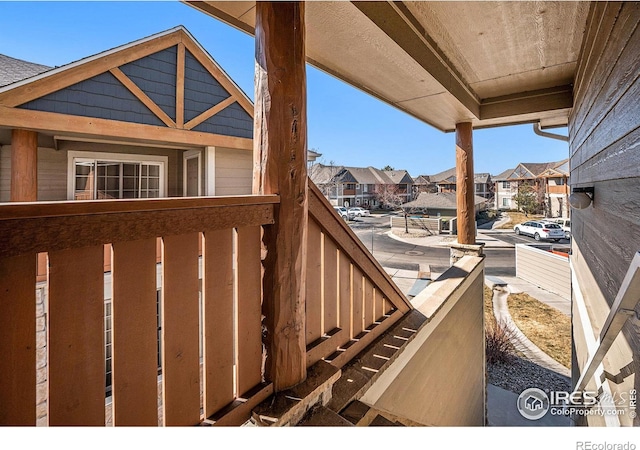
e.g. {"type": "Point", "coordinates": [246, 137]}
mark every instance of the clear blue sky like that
{"type": "Point", "coordinates": [346, 125]}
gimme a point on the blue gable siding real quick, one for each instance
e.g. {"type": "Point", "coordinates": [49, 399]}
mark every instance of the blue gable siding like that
{"type": "Point", "coordinates": [155, 75]}
{"type": "Point", "coordinates": [231, 121]}
{"type": "Point", "coordinates": [102, 96]}
{"type": "Point", "coordinates": [201, 90]}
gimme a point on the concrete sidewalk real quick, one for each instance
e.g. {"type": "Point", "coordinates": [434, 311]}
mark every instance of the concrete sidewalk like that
{"type": "Point", "coordinates": [444, 240]}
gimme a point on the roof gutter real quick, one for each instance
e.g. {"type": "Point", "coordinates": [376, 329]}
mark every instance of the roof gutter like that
{"type": "Point", "coordinates": [538, 130]}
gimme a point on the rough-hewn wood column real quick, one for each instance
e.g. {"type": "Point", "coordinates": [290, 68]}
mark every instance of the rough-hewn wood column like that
{"type": "Point", "coordinates": [465, 185]}
{"type": "Point", "coordinates": [280, 145]}
{"type": "Point", "coordinates": [24, 166]}
{"type": "Point", "coordinates": [465, 195]}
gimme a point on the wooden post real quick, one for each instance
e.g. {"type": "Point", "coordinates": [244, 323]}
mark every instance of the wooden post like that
{"type": "Point", "coordinates": [280, 145]}
{"type": "Point", "coordinates": [465, 184]}
{"type": "Point", "coordinates": [24, 166]}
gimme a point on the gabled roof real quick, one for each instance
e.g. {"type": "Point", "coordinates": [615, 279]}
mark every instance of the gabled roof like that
{"type": "Point", "coordinates": [166, 80]}
{"type": "Point", "coordinates": [534, 170]}
{"type": "Point", "coordinates": [369, 175]}
{"type": "Point", "coordinates": [399, 176]}
{"type": "Point", "coordinates": [13, 69]}
{"type": "Point", "coordinates": [321, 174]}
{"type": "Point", "coordinates": [504, 176]}
{"type": "Point", "coordinates": [439, 200]}
{"type": "Point", "coordinates": [449, 177]}
{"type": "Point", "coordinates": [422, 179]}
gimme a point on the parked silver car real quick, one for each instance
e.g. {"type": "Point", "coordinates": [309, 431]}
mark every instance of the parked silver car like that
{"type": "Point", "coordinates": [540, 230]}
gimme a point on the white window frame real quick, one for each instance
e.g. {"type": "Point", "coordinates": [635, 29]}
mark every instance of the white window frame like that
{"type": "Point", "coordinates": [79, 156]}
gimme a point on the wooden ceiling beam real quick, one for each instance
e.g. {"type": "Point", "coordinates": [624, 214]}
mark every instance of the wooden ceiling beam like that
{"type": "Point", "coordinates": [397, 22]}
{"type": "Point", "coordinates": [560, 97]}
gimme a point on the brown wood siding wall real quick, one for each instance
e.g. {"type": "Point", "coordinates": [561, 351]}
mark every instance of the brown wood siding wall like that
{"type": "Point", "coordinates": [604, 137]}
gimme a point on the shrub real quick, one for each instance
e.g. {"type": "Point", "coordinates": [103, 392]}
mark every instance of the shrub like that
{"type": "Point", "coordinates": [498, 343]}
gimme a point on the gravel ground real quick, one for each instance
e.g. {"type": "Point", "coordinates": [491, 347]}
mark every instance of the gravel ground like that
{"type": "Point", "coordinates": [522, 374]}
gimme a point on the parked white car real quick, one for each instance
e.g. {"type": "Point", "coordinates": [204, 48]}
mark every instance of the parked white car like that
{"type": "Point", "coordinates": [540, 230]}
{"type": "Point", "coordinates": [565, 224]}
{"type": "Point", "coordinates": [359, 212]}
{"type": "Point", "coordinates": [342, 212]}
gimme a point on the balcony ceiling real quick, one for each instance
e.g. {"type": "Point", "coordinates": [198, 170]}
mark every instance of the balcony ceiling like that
{"type": "Point", "coordinates": [493, 63]}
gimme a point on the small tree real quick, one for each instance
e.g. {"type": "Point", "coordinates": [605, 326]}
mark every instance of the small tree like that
{"type": "Point", "coordinates": [388, 167]}
{"type": "Point", "coordinates": [325, 177]}
{"type": "Point", "coordinates": [390, 195]}
{"type": "Point", "coordinates": [528, 198]}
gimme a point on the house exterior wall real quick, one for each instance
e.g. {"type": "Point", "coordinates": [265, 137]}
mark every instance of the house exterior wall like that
{"type": "Point", "coordinates": [234, 171]}
{"type": "Point", "coordinates": [604, 135]}
{"type": "Point", "coordinates": [504, 195]}
{"type": "Point", "coordinates": [53, 167]}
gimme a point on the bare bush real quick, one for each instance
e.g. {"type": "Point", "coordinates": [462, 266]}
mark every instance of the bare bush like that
{"type": "Point", "coordinates": [498, 343]}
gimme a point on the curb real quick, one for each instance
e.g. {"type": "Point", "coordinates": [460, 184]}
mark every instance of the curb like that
{"type": "Point", "coordinates": [531, 351]}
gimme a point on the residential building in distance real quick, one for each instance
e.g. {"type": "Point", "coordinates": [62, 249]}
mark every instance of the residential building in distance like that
{"type": "Point", "coordinates": [422, 183]}
{"type": "Point", "coordinates": [550, 181]}
{"type": "Point", "coordinates": [361, 186]}
{"type": "Point", "coordinates": [446, 182]}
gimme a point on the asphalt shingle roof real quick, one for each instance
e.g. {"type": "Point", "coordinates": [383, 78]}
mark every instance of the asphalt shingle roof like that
{"type": "Point", "coordinates": [439, 200]}
{"type": "Point", "coordinates": [13, 69]}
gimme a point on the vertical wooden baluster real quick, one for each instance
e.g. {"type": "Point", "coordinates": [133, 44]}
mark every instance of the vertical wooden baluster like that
{"type": "Point", "coordinates": [357, 306]}
{"type": "Point", "coordinates": [180, 330]}
{"type": "Point", "coordinates": [218, 320]}
{"type": "Point", "coordinates": [368, 303]}
{"type": "Point", "coordinates": [18, 340]}
{"type": "Point", "coordinates": [135, 345]}
{"type": "Point", "coordinates": [76, 337]}
{"type": "Point", "coordinates": [314, 283]}
{"type": "Point", "coordinates": [249, 343]}
{"type": "Point", "coordinates": [378, 304]}
{"type": "Point", "coordinates": [330, 284]}
{"type": "Point", "coordinates": [346, 292]}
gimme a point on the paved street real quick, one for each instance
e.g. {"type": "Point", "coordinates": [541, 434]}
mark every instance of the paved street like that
{"type": "Point", "coordinates": [392, 253]}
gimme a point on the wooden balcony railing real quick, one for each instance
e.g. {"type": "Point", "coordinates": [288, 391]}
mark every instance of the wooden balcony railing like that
{"type": "Point", "coordinates": [562, 189]}
{"type": "Point", "coordinates": [229, 327]}
{"type": "Point", "coordinates": [210, 272]}
{"type": "Point", "coordinates": [350, 298]}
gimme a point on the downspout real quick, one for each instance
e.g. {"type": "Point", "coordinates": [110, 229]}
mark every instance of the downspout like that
{"type": "Point", "coordinates": [538, 130]}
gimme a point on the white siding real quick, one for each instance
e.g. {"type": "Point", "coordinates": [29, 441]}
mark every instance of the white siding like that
{"type": "Point", "coordinates": [234, 171]}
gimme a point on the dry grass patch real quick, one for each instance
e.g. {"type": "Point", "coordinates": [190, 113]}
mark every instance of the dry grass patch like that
{"type": "Point", "coordinates": [518, 217]}
{"type": "Point", "coordinates": [489, 318]}
{"type": "Point", "coordinates": [545, 326]}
